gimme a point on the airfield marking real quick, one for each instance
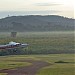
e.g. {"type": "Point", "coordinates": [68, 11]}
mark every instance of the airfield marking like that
{"type": "Point", "coordinates": [28, 70]}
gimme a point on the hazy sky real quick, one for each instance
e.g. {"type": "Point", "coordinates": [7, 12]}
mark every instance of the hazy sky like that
{"type": "Point", "coordinates": [37, 7]}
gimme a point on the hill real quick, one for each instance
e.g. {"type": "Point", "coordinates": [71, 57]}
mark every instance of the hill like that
{"type": "Point", "coordinates": [36, 23]}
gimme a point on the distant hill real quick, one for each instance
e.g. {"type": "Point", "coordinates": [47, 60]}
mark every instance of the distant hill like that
{"type": "Point", "coordinates": [36, 23]}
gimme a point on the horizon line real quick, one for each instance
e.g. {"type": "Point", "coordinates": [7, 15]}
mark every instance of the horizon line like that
{"type": "Point", "coordinates": [36, 15]}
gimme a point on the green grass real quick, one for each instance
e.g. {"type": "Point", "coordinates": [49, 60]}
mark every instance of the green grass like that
{"type": "Point", "coordinates": [57, 71]}
{"type": "Point", "coordinates": [12, 65]}
{"type": "Point", "coordinates": [43, 42]}
{"type": "Point", "coordinates": [3, 74]}
{"type": "Point", "coordinates": [58, 68]}
{"type": "Point", "coordinates": [54, 69]}
{"type": "Point", "coordinates": [47, 42]}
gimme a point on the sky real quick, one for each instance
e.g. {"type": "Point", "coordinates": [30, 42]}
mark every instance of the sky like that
{"type": "Point", "coordinates": [37, 7]}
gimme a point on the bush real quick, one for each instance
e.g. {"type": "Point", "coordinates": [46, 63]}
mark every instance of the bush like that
{"type": "Point", "coordinates": [61, 62]}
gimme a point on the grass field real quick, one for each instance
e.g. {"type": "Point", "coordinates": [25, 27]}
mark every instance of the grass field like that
{"type": "Point", "coordinates": [2, 73]}
{"type": "Point", "coordinates": [11, 65]}
{"type": "Point", "coordinates": [59, 68]}
{"type": "Point", "coordinates": [43, 42]}
{"type": "Point", "coordinates": [54, 69]}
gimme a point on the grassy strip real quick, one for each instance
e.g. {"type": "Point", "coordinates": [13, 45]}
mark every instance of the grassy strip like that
{"type": "Point", "coordinates": [57, 68]}
{"type": "Point", "coordinates": [12, 65]}
{"type": "Point", "coordinates": [57, 71]}
{"type": "Point", "coordinates": [3, 74]}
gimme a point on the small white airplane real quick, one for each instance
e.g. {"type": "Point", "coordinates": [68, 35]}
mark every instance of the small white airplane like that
{"type": "Point", "coordinates": [13, 45]}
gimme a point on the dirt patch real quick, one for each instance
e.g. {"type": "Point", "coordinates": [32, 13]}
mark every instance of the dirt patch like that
{"type": "Point", "coordinates": [28, 70]}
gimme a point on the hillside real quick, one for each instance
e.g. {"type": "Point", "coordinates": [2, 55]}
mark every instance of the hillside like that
{"type": "Point", "coordinates": [36, 23]}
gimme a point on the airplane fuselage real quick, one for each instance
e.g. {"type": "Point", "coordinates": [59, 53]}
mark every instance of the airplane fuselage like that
{"type": "Point", "coordinates": [13, 46]}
